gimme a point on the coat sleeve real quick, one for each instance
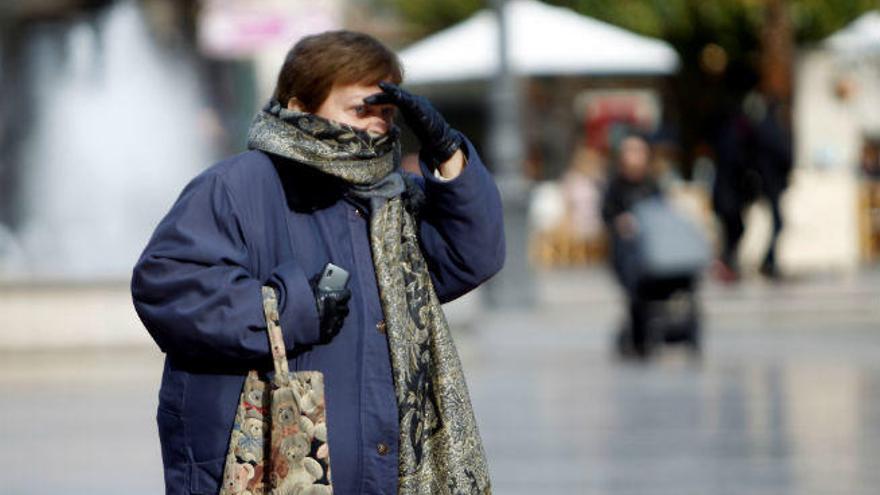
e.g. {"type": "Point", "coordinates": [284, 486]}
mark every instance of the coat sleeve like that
{"type": "Point", "coordinates": [462, 228]}
{"type": "Point", "coordinates": [194, 293]}
{"type": "Point", "coordinates": [610, 204]}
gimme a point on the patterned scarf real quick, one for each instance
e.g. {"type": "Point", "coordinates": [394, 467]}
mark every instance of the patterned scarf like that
{"type": "Point", "coordinates": [440, 447]}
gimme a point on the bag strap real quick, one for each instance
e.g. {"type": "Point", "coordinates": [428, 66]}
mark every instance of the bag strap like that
{"type": "Point", "coordinates": [276, 339]}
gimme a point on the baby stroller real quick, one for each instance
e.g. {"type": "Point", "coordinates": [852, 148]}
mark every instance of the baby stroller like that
{"type": "Point", "coordinates": [664, 261]}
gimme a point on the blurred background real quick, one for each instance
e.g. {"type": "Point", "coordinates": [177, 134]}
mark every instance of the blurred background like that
{"type": "Point", "coordinates": [761, 121]}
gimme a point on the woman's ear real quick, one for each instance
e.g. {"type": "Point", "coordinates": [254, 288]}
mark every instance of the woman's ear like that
{"type": "Point", "coordinates": [295, 105]}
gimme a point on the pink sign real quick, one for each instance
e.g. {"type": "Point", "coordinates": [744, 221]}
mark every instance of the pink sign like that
{"type": "Point", "coordinates": [237, 29]}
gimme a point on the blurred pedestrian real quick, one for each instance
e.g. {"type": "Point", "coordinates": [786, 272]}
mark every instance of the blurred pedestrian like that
{"type": "Point", "coordinates": [754, 160]}
{"type": "Point", "coordinates": [631, 182]}
{"type": "Point", "coordinates": [320, 184]}
{"type": "Point", "coordinates": [658, 255]}
{"type": "Point", "coordinates": [583, 184]}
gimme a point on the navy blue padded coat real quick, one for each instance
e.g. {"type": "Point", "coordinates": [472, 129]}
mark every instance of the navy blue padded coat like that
{"type": "Point", "coordinates": [254, 219]}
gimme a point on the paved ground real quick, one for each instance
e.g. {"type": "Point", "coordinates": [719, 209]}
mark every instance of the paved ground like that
{"type": "Point", "coordinates": [785, 401]}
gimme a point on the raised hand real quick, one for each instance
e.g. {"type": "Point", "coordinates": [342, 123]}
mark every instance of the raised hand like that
{"type": "Point", "coordinates": [439, 141]}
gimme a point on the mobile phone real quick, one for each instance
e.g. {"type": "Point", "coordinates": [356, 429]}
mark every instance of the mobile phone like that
{"type": "Point", "coordinates": [333, 278]}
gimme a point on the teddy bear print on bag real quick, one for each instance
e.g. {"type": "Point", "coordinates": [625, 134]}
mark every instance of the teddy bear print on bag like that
{"type": "Point", "coordinates": [278, 444]}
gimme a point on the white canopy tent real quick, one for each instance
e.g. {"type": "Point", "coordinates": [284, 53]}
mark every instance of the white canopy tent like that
{"type": "Point", "coordinates": [860, 37]}
{"type": "Point", "coordinates": [543, 40]}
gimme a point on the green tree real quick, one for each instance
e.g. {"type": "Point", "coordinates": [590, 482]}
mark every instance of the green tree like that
{"type": "Point", "coordinates": [424, 17]}
{"type": "Point", "coordinates": [673, 20]}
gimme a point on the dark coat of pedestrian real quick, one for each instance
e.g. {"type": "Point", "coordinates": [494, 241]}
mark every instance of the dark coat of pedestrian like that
{"type": "Point", "coordinates": [754, 160]}
{"type": "Point", "coordinates": [630, 183]}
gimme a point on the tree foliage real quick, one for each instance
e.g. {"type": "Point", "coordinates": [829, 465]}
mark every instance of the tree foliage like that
{"type": "Point", "coordinates": [725, 22]}
{"type": "Point", "coordinates": [732, 24]}
{"type": "Point", "coordinates": [427, 16]}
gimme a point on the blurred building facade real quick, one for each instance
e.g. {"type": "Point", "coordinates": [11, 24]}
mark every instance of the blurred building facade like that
{"type": "Point", "coordinates": [834, 211]}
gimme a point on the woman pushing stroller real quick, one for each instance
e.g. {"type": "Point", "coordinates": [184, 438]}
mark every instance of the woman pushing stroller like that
{"type": "Point", "coordinates": [656, 254]}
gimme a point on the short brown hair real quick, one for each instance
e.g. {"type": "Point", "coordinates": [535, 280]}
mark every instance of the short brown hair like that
{"type": "Point", "coordinates": [318, 62]}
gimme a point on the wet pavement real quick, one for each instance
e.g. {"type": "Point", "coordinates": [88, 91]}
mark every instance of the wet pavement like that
{"type": "Point", "coordinates": [786, 399]}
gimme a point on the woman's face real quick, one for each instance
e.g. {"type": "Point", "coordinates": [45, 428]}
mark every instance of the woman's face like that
{"type": "Point", "coordinates": [635, 156]}
{"type": "Point", "coordinates": [346, 104]}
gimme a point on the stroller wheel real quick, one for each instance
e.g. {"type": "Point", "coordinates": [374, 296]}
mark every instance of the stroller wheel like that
{"type": "Point", "coordinates": [695, 336]}
{"type": "Point", "coordinates": [623, 343]}
{"type": "Point", "coordinates": [694, 342]}
{"type": "Point", "coordinates": [627, 348]}
{"type": "Point", "coordinates": [694, 352]}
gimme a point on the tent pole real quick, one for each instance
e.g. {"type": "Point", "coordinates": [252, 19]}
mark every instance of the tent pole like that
{"type": "Point", "coordinates": [514, 286]}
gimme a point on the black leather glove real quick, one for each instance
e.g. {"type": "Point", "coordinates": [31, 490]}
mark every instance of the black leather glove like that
{"type": "Point", "coordinates": [439, 140]}
{"type": "Point", "coordinates": [332, 309]}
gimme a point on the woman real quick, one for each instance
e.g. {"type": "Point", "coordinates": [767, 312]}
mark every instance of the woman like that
{"type": "Point", "coordinates": [632, 182]}
{"type": "Point", "coordinates": [321, 184]}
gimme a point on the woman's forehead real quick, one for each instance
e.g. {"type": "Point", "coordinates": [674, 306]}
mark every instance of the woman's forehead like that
{"type": "Point", "coordinates": [356, 91]}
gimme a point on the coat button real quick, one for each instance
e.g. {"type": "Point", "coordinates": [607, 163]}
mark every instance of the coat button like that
{"type": "Point", "coordinates": [358, 212]}
{"type": "Point", "coordinates": [380, 327]}
{"type": "Point", "coordinates": [382, 449]}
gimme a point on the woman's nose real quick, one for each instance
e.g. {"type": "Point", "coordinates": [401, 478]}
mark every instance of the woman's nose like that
{"type": "Point", "coordinates": [378, 124]}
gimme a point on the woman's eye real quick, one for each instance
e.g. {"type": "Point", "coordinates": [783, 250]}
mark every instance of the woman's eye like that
{"type": "Point", "coordinates": [360, 110]}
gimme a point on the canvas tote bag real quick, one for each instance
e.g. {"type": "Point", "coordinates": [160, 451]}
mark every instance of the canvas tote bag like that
{"type": "Point", "coordinates": [278, 444]}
